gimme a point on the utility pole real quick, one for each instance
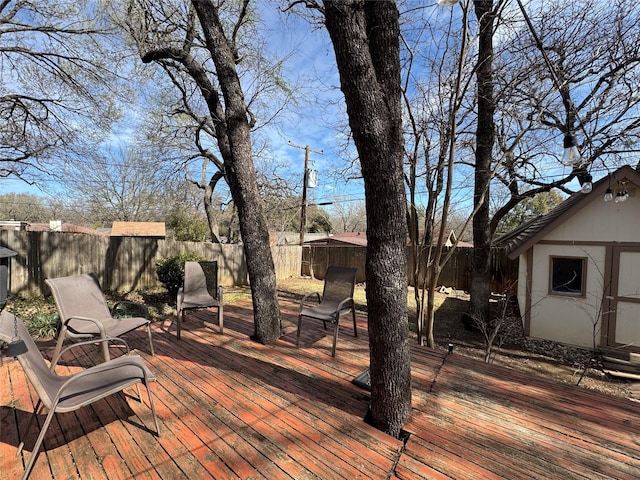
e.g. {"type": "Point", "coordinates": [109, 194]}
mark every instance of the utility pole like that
{"type": "Point", "coordinates": [303, 211]}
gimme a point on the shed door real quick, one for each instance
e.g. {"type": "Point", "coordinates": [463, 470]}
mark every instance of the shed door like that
{"type": "Point", "coordinates": [624, 316]}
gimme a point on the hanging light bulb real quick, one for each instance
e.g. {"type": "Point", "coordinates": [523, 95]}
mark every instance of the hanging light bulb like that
{"type": "Point", "coordinates": [587, 186]}
{"type": "Point", "coordinates": [622, 194]}
{"type": "Point", "coordinates": [608, 195]}
{"type": "Point", "coordinates": [571, 155]}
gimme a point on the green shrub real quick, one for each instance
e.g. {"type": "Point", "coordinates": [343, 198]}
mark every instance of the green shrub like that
{"type": "Point", "coordinates": [170, 271]}
{"type": "Point", "coordinates": [43, 325]}
{"type": "Point", "coordinates": [126, 309]}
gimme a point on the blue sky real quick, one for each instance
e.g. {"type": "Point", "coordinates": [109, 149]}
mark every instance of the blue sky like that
{"type": "Point", "coordinates": [318, 120]}
{"type": "Point", "coordinates": [311, 67]}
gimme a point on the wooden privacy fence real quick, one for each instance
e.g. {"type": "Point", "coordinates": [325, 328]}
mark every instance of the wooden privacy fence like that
{"type": "Point", "coordinates": [129, 263]}
{"type": "Point", "coordinates": [121, 263]}
{"type": "Point", "coordinates": [456, 273]}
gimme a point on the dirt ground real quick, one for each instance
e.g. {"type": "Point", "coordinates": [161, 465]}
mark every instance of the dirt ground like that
{"type": "Point", "coordinates": [540, 357]}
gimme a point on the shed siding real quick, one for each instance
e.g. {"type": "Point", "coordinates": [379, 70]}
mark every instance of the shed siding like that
{"type": "Point", "coordinates": [570, 320]}
{"type": "Point", "coordinates": [601, 222]}
{"type": "Point", "coordinates": [627, 331]}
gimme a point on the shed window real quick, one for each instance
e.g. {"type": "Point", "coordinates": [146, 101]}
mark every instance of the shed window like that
{"type": "Point", "coordinates": [568, 276]}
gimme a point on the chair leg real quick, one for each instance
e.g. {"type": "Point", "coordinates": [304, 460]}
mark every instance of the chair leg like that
{"type": "Point", "coordinates": [105, 351]}
{"type": "Point", "coordinates": [335, 337]}
{"type": "Point", "coordinates": [221, 319]}
{"type": "Point", "coordinates": [298, 332]}
{"type": "Point", "coordinates": [36, 447]}
{"type": "Point", "coordinates": [138, 392]}
{"type": "Point", "coordinates": [355, 327]}
{"type": "Point", "coordinates": [56, 351]}
{"type": "Point", "coordinates": [153, 408]}
{"type": "Point", "coordinates": [150, 339]}
{"type": "Point", "coordinates": [178, 320]}
{"type": "Point", "coordinates": [29, 425]}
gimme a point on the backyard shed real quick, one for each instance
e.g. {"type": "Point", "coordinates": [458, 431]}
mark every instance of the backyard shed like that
{"type": "Point", "coordinates": [579, 267]}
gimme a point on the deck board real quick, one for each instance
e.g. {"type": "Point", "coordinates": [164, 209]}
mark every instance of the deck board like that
{"type": "Point", "coordinates": [231, 408]}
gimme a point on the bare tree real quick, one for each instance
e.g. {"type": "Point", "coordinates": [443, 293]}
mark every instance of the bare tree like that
{"type": "Point", "coordinates": [202, 43]}
{"type": "Point", "coordinates": [280, 192]}
{"type": "Point", "coordinates": [348, 216]}
{"type": "Point", "coordinates": [557, 79]}
{"type": "Point", "coordinates": [23, 207]}
{"type": "Point", "coordinates": [118, 183]}
{"type": "Point", "coordinates": [560, 79]}
{"type": "Point", "coordinates": [432, 107]}
{"type": "Point", "coordinates": [58, 82]}
{"type": "Point", "coordinates": [365, 38]}
{"type": "Point", "coordinates": [485, 137]}
{"type": "Point", "coordinates": [180, 117]}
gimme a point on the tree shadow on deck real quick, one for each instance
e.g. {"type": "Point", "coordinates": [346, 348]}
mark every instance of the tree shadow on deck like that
{"type": "Point", "coordinates": [309, 373]}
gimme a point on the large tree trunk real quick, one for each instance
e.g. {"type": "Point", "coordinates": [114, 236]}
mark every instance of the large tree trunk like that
{"type": "Point", "coordinates": [480, 277]}
{"type": "Point", "coordinates": [234, 141]}
{"type": "Point", "coordinates": [208, 204]}
{"type": "Point", "coordinates": [365, 37]}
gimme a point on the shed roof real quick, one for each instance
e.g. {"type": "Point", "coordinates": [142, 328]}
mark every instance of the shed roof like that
{"type": "Point", "coordinates": [138, 229]}
{"type": "Point", "coordinates": [529, 233]}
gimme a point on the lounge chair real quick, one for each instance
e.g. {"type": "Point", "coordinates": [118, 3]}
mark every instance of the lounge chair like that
{"type": "Point", "coordinates": [337, 298]}
{"type": "Point", "coordinates": [61, 394]}
{"type": "Point", "coordinates": [200, 290]}
{"type": "Point", "coordinates": [84, 313]}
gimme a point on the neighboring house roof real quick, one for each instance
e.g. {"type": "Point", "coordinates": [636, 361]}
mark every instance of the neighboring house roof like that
{"type": "Point", "coordinates": [525, 236]}
{"type": "Point", "coordinates": [360, 239]}
{"type": "Point", "coordinates": [62, 227]}
{"type": "Point", "coordinates": [138, 229]}
{"type": "Point", "coordinates": [13, 225]}
{"type": "Point", "coordinates": [292, 238]}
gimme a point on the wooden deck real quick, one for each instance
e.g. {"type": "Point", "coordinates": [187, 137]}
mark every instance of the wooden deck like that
{"type": "Point", "coordinates": [231, 408]}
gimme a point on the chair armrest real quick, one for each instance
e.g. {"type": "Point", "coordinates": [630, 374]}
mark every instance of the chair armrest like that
{"type": "Point", "coordinates": [307, 296]}
{"type": "Point", "coordinates": [95, 321]}
{"type": "Point", "coordinates": [135, 361]}
{"type": "Point", "coordinates": [143, 308]}
{"type": "Point", "coordinates": [345, 303]}
{"type": "Point", "coordinates": [88, 342]}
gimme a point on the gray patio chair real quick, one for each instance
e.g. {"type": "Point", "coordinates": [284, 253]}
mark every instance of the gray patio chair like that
{"type": "Point", "coordinates": [60, 394]}
{"type": "Point", "coordinates": [337, 298]}
{"type": "Point", "coordinates": [200, 289]}
{"type": "Point", "coordinates": [84, 312]}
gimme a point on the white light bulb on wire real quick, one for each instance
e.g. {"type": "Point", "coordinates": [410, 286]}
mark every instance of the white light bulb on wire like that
{"type": "Point", "coordinates": [571, 155]}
